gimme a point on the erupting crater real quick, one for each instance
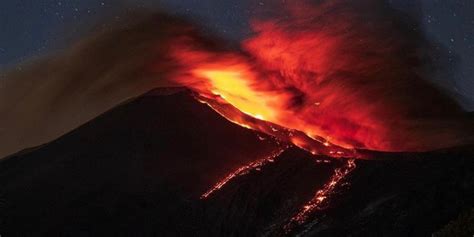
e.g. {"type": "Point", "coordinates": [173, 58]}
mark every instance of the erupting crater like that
{"type": "Point", "coordinates": [323, 80]}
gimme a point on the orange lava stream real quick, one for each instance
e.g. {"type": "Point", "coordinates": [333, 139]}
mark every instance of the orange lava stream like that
{"type": "Point", "coordinates": [322, 195]}
{"type": "Point", "coordinates": [256, 165]}
{"type": "Point", "coordinates": [297, 138]}
{"type": "Point", "coordinates": [315, 145]}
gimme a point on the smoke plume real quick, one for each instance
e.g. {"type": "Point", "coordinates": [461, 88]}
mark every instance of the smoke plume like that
{"type": "Point", "coordinates": [350, 73]}
{"type": "Point", "coordinates": [45, 98]}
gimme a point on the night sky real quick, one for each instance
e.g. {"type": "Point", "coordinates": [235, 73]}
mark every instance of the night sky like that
{"type": "Point", "coordinates": [35, 27]}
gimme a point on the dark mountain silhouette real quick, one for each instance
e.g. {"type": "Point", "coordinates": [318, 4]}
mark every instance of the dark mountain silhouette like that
{"type": "Point", "coordinates": [139, 170]}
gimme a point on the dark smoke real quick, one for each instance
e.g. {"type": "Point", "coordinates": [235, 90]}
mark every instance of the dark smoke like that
{"type": "Point", "coordinates": [42, 99]}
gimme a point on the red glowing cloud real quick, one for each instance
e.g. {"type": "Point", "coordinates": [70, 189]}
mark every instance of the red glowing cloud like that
{"type": "Point", "coordinates": [344, 76]}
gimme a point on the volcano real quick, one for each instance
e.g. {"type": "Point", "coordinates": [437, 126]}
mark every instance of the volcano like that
{"type": "Point", "coordinates": [142, 168]}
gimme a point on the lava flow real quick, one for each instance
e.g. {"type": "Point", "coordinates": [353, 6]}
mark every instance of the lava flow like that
{"type": "Point", "coordinates": [321, 196]}
{"type": "Point", "coordinates": [243, 170]}
{"type": "Point", "coordinates": [227, 84]}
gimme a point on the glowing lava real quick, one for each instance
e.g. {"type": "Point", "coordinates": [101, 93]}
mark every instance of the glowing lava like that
{"type": "Point", "coordinates": [256, 165]}
{"type": "Point", "coordinates": [240, 93]}
{"type": "Point", "coordinates": [321, 196]}
{"type": "Point", "coordinates": [233, 87]}
{"type": "Point", "coordinates": [316, 203]}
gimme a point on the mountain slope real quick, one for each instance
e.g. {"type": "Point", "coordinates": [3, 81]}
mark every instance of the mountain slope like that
{"type": "Point", "coordinates": [165, 144]}
{"type": "Point", "coordinates": [140, 169]}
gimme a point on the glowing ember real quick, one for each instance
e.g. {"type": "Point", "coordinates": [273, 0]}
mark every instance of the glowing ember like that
{"type": "Point", "coordinates": [256, 165]}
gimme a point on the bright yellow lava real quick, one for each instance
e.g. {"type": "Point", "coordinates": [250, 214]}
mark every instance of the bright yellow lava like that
{"type": "Point", "coordinates": [233, 87]}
